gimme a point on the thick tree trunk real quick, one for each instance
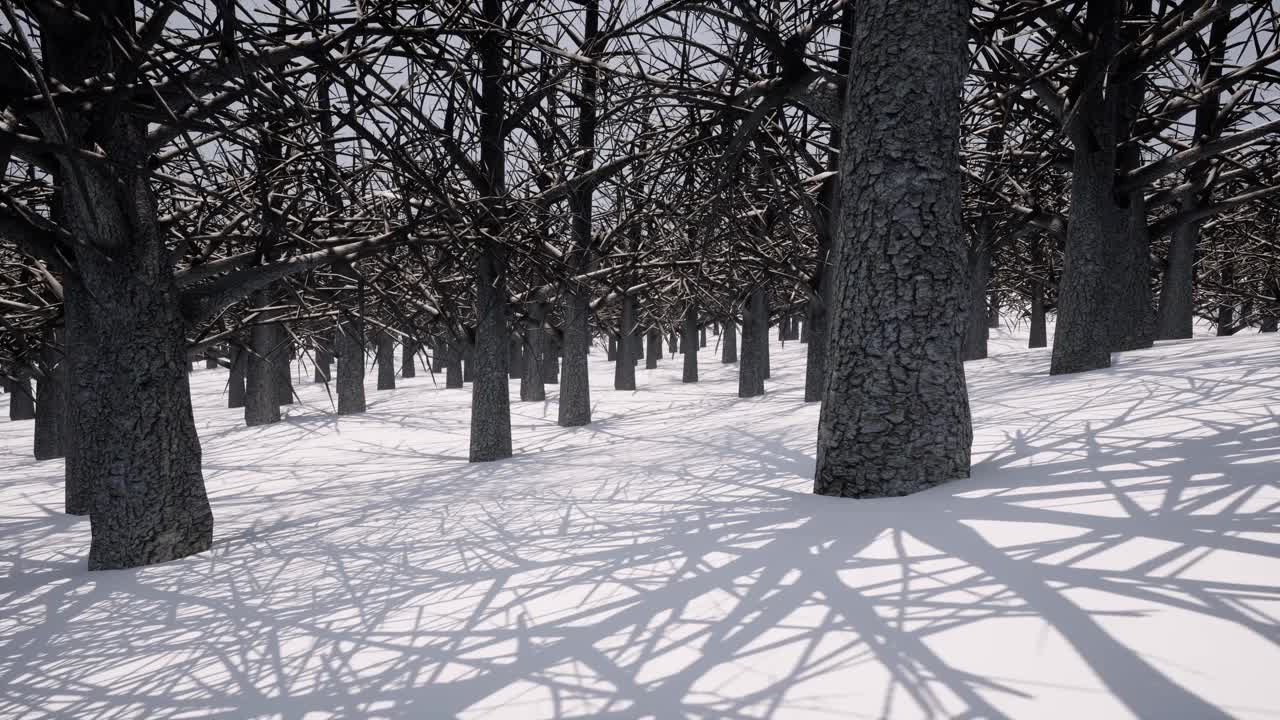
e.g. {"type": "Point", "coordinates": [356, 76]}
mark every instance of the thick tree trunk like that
{"type": "Point", "coordinates": [324, 361]}
{"type": "Point", "coordinates": [1080, 340]}
{"type": "Point", "coordinates": [977, 325]}
{"type": "Point", "coordinates": [490, 393]}
{"type": "Point", "coordinates": [654, 351]}
{"type": "Point", "coordinates": [895, 416]}
{"type": "Point", "coordinates": [51, 400]}
{"type": "Point", "coordinates": [1133, 324]}
{"type": "Point", "coordinates": [751, 362]}
{"type": "Point", "coordinates": [624, 369]}
{"type": "Point", "coordinates": [349, 352]}
{"type": "Point", "coordinates": [763, 319]}
{"type": "Point", "coordinates": [261, 397]}
{"type": "Point", "coordinates": [469, 358]}
{"type": "Point", "coordinates": [210, 360]}
{"type": "Point", "coordinates": [22, 400]}
{"type": "Point", "coordinates": [690, 374]}
{"type": "Point", "coordinates": [236, 379]}
{"type": "Point", "coordinates": [551, 358]}
{"type": "Point", "coordinates": [611, 348]}
{"type": "Point", "coordinates": [729, 342]}
{"type": "Point", "coordinates": [386, 358]}
{"type": "Point", "coordinates": [575, 392]}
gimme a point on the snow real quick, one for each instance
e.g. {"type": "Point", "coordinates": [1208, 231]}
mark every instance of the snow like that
{"type": "Point", "coordinates": [1115, 554]}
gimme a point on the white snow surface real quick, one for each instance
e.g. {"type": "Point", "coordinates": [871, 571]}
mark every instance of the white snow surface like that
{"type": "Point", "coordinates": [1116, 553]}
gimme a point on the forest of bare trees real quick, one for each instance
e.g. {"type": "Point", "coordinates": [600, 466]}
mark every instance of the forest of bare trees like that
{"type": "Point", "coordinates": [486, 190]}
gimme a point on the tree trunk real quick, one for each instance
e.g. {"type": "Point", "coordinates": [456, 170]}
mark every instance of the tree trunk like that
{"type": "Point", "coordinates": [324, 359]}
{"type": "Point", "coordinates": [1226, 310]}
{"type": "Point", "coordinates": [624, 369]}
{"type": "Point", "coordinates": [51, 399]}
{"type": "Point", "coordinates": [611, 348]}
{"type": "Point", "coordinates": [1133, 324]}
{"type": "Point", "coordinates": [690, 341]}
{"type": "Point", "coordinates": [1039, 337]}
{"type": "Point", "coordinates": [575, 392]}
{"type": "Point", "coordinates": [210, 360]}
{"type": "Point", "coordinates": [282, 365]}
{"type": "Point", "coordinates": [515, 356]}
{"type": "Point", "coordinates": [1269, 324]}
{"type": "Point", "coordinates": [490, 393]}
{"type": "Point", "coordinates": [386, 358]}
{"type": "Point", "coordinates": [827, 225]}
{"type": "Point", "coordinates": [729, 342]}
{"type": "Point", "coordinates": [22, 403]}
{"type": "Point", "coordinates": [348, 346]}
{"type": "Point", "coordinates": [654, 351]}
{"type": "Point", "coordinates": [763, 319]}
{"type": "Point", "coordinates": [895, 416]}
{"type": "Point", "coordinates": [450, 354]}
{"type": "Point", "coordinates": [236, 379]}
{"type": "Point", "coordinates": [261, 398]}
{"type": "Point", "coordinates": [532, 387]}
{"type": "Point", "coordinates": [408, 349]}
{"type": "Point", "coordinates": [751, 363]}
{"type": "Point", "coordinates": [551, 357]}
{"type": "Point", "coordinates": [977, 316]}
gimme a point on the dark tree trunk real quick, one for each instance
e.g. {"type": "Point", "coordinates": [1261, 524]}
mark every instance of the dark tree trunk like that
{"type": "Point", "coordinates": [993, 308]}
{"type": "Point", "coordinates": [690, 341]}
{"type": "Point", "coordinates": [51, 399]}
{"type": "Point", "coordinates": [211, 360]}
{"type": "Point", "coordinates": [22, 401]}
{"type": "Point", "coordinates": [469, 359]}
{"type": "Point", "coordinates": [729, 342]}
{"type": "Point", "coordinates": [1133, 323]}
{"type": "Point", "coordinates": [1269, 324]}
{"type": "Point", "coordinates": [654, 351]}
{"type": "Point", "coordinates": [532, 387]}
{"type": "Point", "coordinates": [408, 349]}
{"type": "Point", "coordinates": [515, 356]}
{"type": "Point", "coordinates": [386, 358]}
{"type": "Point", "coordinates": [452, 358]}
{"type": "Point", "coordinates": [439, 352]}
{"type": "Point", "coordinates": [282, 365]}
{"type": "Point", "coordinates": [324, 359]}
{"type": "Point", "coordinates": [261, 398]}
{"type": "Point", "coordinates": [763, 318]}
{"type": "Point", "coordinates": [348, 350]}
{"type": "Point", "coordinates": [895, 416]}
{"type": "Point", "coordinates": [575, 392]}
{"type": "Point", "coordinates": [1177, 292]}
{"type": "Point", "coordinates": [754, 342]}
{"type": "Point", "coordinates": [827, 224]}
{"type": "Point", "coordinates": [624, 369]}
{"type": "Point", "coordinates": [551, 358]}
{"type": "Point", "coordinates": [236, 379]}
{"type": "Point", "coordinates": [611, 349]}
{"type": "Point", "coordinates": [1039, 336]}
{"type": "Point", "coordinates": [490, 393]}
{"type": "Point", "coordinates": [976, 312]}
{"type": "Point", "coordinates": [1226, 310]}
{"type": "Point", "coordinates": [672, 344]}
{"type": "Point", "coordinates": [702, 336]}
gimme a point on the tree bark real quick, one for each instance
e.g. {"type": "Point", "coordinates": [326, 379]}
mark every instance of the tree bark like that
{"type": "Point", "coordinates": [261, 397]}
{"type": "Point", "coordinates": [575, 392]}
{"type": "Point", "coordinates": [490, 393]}
{"type": "Point", "coordinates": [532, 387]}
{"type": "Point", "coordinates": [977, 317]}
{"type": "Point", "coordinates": [408, 351]}
{"type": "Point", "coordinates": [624, 369]}
{"type": "Point", "coordinates": [690, 338]}
{"type": "Point", "coordinates": [751, 362]}
{"type": "Point", "coordinates": [450, 354]}
{"type": "Point", "coordinates": [51, 399]}
{"type": "Point", "coordinates": [827, 222]}
{"type": "Point", "coordinates": [22, 402]}
{"type": "Point", "coordinates": [729, 342]}
{"type": "Point", "coordinates": [236, 379]}
{"type": "Point", "coordinates": [654, 351]}
{"type": "Point", "coordinates": [349, 352]}
{"type": "Point", "coordinates": [282, 365]}
{"type": "Point", "coordinates": [1176, 314]}
{"type": "Point", "coordinates": [895, 416]}
{"type": "Point", "coordinates": [386, 358]}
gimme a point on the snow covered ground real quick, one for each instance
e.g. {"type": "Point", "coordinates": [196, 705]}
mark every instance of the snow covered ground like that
{"type": "Point", "coordinates": [1115, 554]}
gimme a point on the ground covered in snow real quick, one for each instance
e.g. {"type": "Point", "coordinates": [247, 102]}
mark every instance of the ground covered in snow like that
{"type": "Point", "coordinates": [1115, 554]}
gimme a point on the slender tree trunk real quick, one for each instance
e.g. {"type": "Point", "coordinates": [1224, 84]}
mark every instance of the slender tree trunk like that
{"type": "Point", "coordinates": [515, 356]}
{"type": "Point", "coordinates": [349, 352]}
{"type": "Point", "coordinates": [282, 365]}
{"type": "Point", "coordinates": [551, 357]}
{"type": "Point", "coordinates": [386, 357]}
{"type": "Point", "coordinates": [654, 351]}
{"type": "Point", "coordinates": [469, 358]}
{"type": "Point", "coordinates": [895, 416]}
{"type": "Point", "coordinates": [532, 387]}
{"type": "Point", "coordinates": [452, 358]}
{"type": "Point", "coordinates": [729, 342]}
{"type": "Point", "coordinates": [236, 381]}
{"type": "Point", "coordinates": [261, 398]}
{"type": "Point", "coordinates": [1177, 292]}
{"type": "Point", "coordinates": [51, 399]}
{"type": "Point", "coordinates": [751, 363]}
{"type": "Point", "coordinates": [408, 349]}
{"type": "Point", "coordinates": [977, 325]}
{"type": "Point", "coordinates": [624, 369]}
{"type": "Point", "coordinates": [575, 392]}
{"type": "Point", "coordinates": [1039, 336]}
{"type": "Point", "coordinates": [210, 359]}
{"type": "Point", "coordinates": [1226, 310]}
{"type": "Point", "coordinates": [827, 223]}
{"type": "Point", "coordinates": [690, 374]}
{"type": "Point", "coordinates": [324, 359]}
{"type": "Point", "coordinates": [611, 348]}
{"type": "Point", "coordinates": [763, 319]}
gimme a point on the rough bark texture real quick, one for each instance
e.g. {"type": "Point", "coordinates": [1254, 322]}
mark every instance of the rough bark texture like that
{"type": "Point", "coordinates": [452, 358]}
{"type": "Point", "coordinates": [282, 366]}
{"type": "Point", "coordinates": [750, 364]}
{"type": "Point", "coordinates": [515, 356]}
{"type": "Point", "coordinates": [827, 223]}
{"type": "Point", "coordinates": [551, 358]}
{"type": "Point", "coordinates": [624, 369]}
{"type": "Point", "coordinates": [349, 352]}
{"type": "Point", "coordinates": [1133, 323]}
{"type": "Point", "coordinates": [261, 399]}
{"type": "Point", "coordinates": [575, 393]}
{"type": "Point", "coordinates": [235, 380]}
{"type": "Point", "coordinates": [386, 356]}
{"type": "Point", "coordinates": [1177, 292]}
{"type": "Point", "coordinates": [895, 417]}
{"type": "Point", "coordinates": [729, 343]}
{"type": "Point", "coordinates": [653, 352]}
{"type": "Point", "coordinates": [51, 400]}
{"type": "Point", "coordinates": [690, 341]}
{"type": "Point", "coordinates": [490, 393]}
{"type": "Point", "coordinates": [532, 385]}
